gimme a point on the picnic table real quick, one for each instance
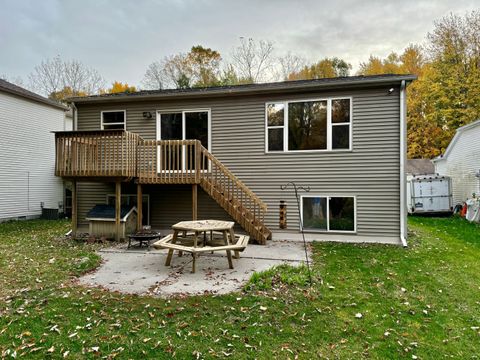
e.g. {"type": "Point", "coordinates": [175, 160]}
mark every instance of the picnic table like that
{"type": "Point", "coordinates": [201, 236]}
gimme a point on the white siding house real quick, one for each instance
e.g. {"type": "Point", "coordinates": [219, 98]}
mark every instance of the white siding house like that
{"type": "Point", "coordinates": [461, 162]}
{"type": "Point", "coordinates": [27, 152]}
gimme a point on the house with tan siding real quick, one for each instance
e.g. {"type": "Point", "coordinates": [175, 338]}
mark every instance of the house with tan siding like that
{"type": "Point", "coordinates": [225, 152]}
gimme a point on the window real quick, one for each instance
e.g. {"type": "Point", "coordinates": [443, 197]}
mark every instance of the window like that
{"type": "Point", "coordinates": [112, 120]}
{"type": "Point", "coordinates": [340, 123]}
{"type": "Point", "coordinates": [275, 118]}
{"type": "Point", "coordinates": [328, 213]}
{"type": "Point", "coordinates": [131, 200]}
{"type": "Point", "coordinates": [309, 125]}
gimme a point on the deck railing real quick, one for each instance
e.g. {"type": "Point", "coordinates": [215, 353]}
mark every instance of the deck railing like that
{"type": "Point", "coordinates": [118, 153]}
{"type": "Point", "coordinates": [168, 161]}
{"type": "Point", "coordinates": [233, 195]}
{"type": "Point", "coordinates": [108, 153]}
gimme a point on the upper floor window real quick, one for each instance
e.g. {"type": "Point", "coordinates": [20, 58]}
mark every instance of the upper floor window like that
{"type": "Point", "coordinates": [309, 125]}
{"type": "Point", "coordinates": [114, 119]}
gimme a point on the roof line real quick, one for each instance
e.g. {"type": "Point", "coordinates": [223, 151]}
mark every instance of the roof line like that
{"type": "Point", "coordinates": [248, 89]}
{"type": "Point", "coordinates": [27, 94]}
{"type": "Point", "coordinates": [455, 139]}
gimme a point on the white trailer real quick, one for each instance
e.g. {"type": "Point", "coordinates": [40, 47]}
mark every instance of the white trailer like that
{"type": "Point", "coordinates": [429, 194]}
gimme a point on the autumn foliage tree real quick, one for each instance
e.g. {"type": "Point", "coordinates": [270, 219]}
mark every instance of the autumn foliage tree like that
{"type": "Point", "coordinates": [65, 93]}
{"type": "Point", "coordinates": [119, 87]}
{"type": "Point", "coordinates": [447, 92]}
{"type": "Point", "coordinates": [325, 68]}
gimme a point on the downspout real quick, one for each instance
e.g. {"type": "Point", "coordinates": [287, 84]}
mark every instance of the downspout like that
{"type": "Point", "coordinates": [403, 184]}
{"type": "Point", "coordinates": [74, 116]}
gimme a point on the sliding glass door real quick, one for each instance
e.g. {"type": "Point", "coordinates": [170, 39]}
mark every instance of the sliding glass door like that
{"type": "Point", "coordinates": [182, 125]}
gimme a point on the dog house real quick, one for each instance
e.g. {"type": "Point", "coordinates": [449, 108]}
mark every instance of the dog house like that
{"type": "Point", "coordinates": [101, 220]}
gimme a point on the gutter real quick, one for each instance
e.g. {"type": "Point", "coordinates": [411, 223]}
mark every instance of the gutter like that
{"type": "Point", "coordinates": [250, 89]}
{"type": "Point", "coordinates": [403, 183]}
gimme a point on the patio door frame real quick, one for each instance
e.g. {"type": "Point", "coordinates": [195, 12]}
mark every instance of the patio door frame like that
{"type": "Point", "coordinates": [183, 112]}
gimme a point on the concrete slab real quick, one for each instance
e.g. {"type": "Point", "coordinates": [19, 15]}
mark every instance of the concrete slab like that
{"type": "Point", "coordinates": [143, 271]}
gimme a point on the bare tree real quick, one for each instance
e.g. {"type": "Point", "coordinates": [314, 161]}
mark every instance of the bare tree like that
{"type": "Point", "coordinates": [52, 76]}
{"type": "Point", "coordinates": [289, 64]}
{"type": "Point", "coordinates": [177, 71]}
{"type": "Point", "coordinates": [172, 71]}
{"type": "Point", "coordinates": [199, 67]}
{"type": "Point", "coordinates": [253, 61]}
{"type": "Point", "coordinates": [154, 77]}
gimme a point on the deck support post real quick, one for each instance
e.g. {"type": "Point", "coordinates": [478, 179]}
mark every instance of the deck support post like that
{"type": "Point", "coordinates": [74, 209]}
{"type": "Point", "coordinates": [118, 206]}
{"type": "Point", "coordinates": [139, 206]}
{"type": "Point", "coordinates": [194, 201]}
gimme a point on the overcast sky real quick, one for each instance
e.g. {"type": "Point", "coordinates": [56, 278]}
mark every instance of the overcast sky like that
{"type": "Point", "coordinates": [120, 38]}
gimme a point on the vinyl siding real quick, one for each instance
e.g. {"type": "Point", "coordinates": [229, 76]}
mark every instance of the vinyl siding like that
{"type": "Point", "coordinates": [462, 163]}
{"type": "Point", "coordinates": [27, 157]}
{"type": "Point", "coordinates": [168, 203]}
{"type": "Point", "coordinates": [371, 171]}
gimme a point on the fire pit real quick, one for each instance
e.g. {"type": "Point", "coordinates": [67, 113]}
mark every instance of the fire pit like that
{"type": "Point", "coordinates": [143, 237]}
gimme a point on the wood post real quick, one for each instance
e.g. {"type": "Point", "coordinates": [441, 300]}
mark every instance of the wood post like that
{"type": "Point", "coordinates": [194, 201]}
{"type": "Point", "coordinates": [139, 207]}
{"type": "Point", "coordinates": [118, 206]}
{"type": "Point", "coordinates": [74, 209]}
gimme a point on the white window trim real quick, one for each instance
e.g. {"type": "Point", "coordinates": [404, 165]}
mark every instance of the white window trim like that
{"type": "Point", "coordinates": [329, 126]}
{"type": "Point", "coordinates": [354, 231]}
{"type": "Point", "coordinates": [183, 111]}
{"type": "Point", "coordinates": [124, 123]}
{"type": "Point", "coordinates": [148, 203]}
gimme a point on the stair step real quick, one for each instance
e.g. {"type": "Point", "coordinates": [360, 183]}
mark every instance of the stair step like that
{"type": "Point", "coordinates": [234, 206]}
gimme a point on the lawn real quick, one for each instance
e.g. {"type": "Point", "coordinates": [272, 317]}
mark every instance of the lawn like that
{"type": "Point", "coordinates": [367, 301]}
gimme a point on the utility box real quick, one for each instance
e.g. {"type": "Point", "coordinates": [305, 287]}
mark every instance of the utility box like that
{"type": "Point", "coordinates": [429, 194]}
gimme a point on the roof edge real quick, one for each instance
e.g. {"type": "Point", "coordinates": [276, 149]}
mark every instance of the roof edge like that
{"type": "Point", "coordinates": [249, 89]}
{"type": "Point", "coordinates": [455, 138]}
{"type": "Point", "coordinates": [27, 94]}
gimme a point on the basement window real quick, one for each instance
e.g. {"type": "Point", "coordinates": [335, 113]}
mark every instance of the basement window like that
{"type": "Point", "coordinates": [328, 213]}
{"type": "Point", "coordinates": [113, 120]}
{"type": "Point", "coordinates": [309, 125]}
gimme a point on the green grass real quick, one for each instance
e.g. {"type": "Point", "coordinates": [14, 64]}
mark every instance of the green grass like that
{"type": "Point", "coordinates": [419, 302]}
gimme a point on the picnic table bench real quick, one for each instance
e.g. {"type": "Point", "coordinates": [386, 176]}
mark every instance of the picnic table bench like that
{"type": "Point", "coordinates": [217, 236]}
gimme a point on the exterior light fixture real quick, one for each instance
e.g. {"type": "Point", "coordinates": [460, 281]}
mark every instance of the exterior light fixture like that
{"type": "Point", "coordinates": [390, 91]}
{"type": "Point", "coordinates": [147, 114]}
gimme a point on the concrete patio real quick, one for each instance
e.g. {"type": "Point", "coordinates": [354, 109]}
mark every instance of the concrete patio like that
{"type": "Point", "coordinates": [143, 271]}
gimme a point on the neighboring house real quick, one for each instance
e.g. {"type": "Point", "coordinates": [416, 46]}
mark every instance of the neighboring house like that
{"type": "Point", "coordinates": [27, 149]}
{"type": "Point", "coordinates": [461, 162]}
{"type": "Point", "coordinates": [342, 137]}
{"type": "Point", "coordinates": [420, 167]}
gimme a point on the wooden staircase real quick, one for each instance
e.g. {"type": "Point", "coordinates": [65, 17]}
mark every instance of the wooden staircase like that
{"type": "Point", "coordinates": [120, 155]}
{"type": "Point", "coordinates": [246, 208]}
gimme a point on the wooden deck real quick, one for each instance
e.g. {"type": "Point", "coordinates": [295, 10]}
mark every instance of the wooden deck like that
{"type": "Point", "coordinates": [118, 155]}
{"type": "Point", "coordinates": [110, 153]}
